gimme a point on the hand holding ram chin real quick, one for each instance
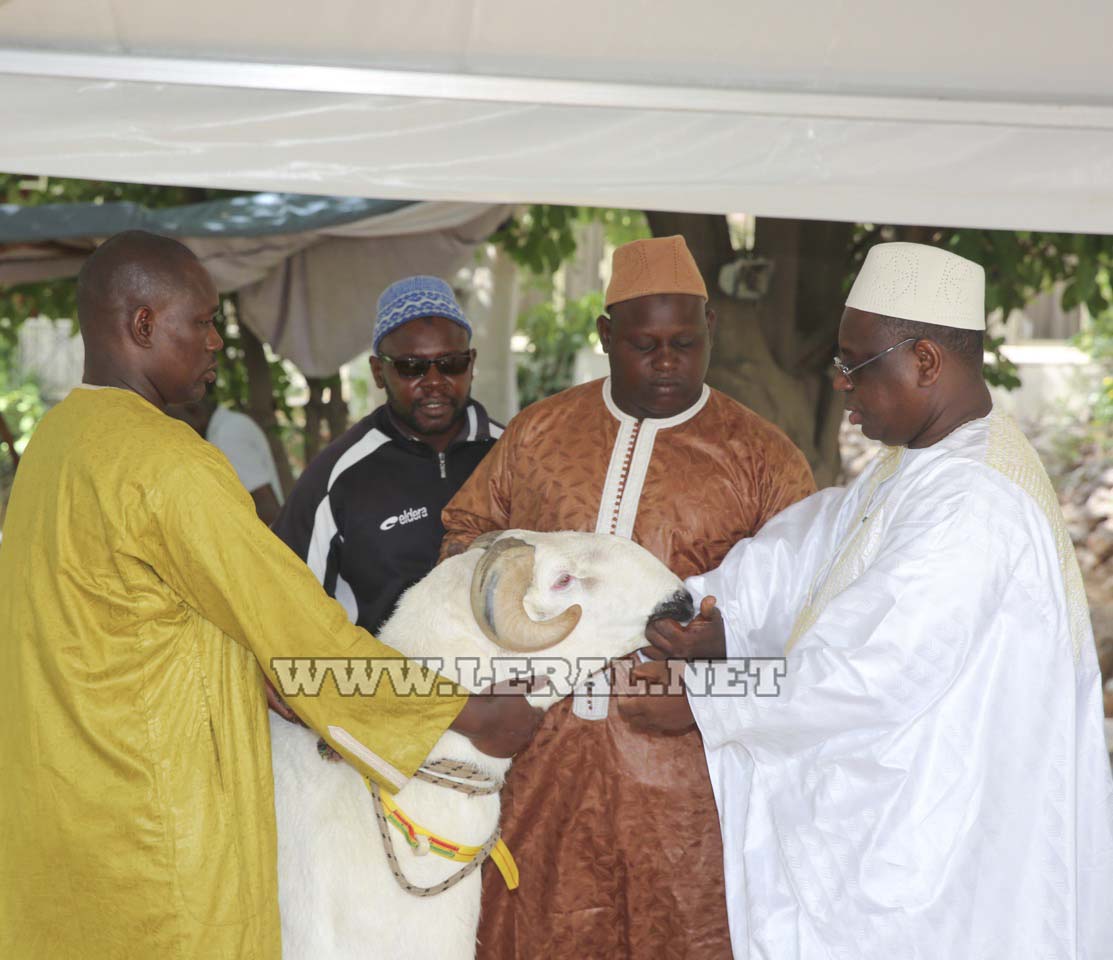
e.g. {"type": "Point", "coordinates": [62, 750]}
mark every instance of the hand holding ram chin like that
{"type": "Point", "coordinates": [702, 638]}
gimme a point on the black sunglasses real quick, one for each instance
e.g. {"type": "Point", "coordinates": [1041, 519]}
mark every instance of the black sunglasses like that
{"type": "Point", "coordinates": [449, 364]}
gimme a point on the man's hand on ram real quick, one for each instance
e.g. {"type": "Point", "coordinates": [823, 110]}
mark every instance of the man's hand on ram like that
{"type": "Point", "coordinates": [651, 698]}
{"type": "Point", "coordinates": [703, 638]}
{"type": "Point", "coordinates": [499, 720]}
{"type": "Point", "coordinates": [278, 705]}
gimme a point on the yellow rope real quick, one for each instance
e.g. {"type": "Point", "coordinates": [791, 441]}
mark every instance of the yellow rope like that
{"type": "Point", "coordinates": [425, 841]}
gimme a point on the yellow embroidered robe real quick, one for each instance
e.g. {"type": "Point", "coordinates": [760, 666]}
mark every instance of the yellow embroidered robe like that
{"type": "Point", "coordinates": [138, 595]}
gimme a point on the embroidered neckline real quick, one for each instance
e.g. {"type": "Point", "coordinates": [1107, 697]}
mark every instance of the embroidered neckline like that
{"type": "Point", "coordinates": [662, 423]}
{"type": "Point", "coordinates": [845, 565]}
{"type": "Point", "coordinates": [624, 476]}
{"type": "Point", "coordinates": [1011, 454]}
{"type": "Point", "coordinates": [630, 461]}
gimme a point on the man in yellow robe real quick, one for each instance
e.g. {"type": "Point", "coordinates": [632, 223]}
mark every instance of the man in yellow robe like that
{"type": "Point", "coordinates": [139, 596]}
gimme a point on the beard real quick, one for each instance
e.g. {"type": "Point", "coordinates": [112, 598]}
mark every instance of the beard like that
{"type": "Point", "coordinates": [422, 423]}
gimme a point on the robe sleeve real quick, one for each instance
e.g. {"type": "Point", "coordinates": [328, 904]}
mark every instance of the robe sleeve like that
{"type": "Point", "coordinates": [483, 503]}
{"type": "Point", "coordinates": [786, 479]}
{"type": "Point", "coordinates": [763, 580]}
{"type": "Point", "coordinates": [203, 539]}
{"type": "Point", "coordinates": [884, 650]}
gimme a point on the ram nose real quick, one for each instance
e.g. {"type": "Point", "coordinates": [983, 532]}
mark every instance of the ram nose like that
{"type": "Point", "coordinates": [677, 607]}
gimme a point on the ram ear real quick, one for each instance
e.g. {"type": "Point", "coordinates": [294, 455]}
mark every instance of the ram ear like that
{"type": "Point", "coordinates": [498, 589]}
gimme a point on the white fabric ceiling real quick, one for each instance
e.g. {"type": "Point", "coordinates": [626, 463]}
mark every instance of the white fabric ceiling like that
{"type": "Point", "coordinates": [997, 113]}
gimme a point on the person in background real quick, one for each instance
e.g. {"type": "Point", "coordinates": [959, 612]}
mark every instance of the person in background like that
{"type": "Point", "coordinates": [245, 445]}
{"type": "Point", "coordinates": [366, 513]}
{"type": "Point", "coordinates": [9, 440]}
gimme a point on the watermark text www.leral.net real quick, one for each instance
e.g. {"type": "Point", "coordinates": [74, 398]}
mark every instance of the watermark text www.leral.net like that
{"type": "Point", "coordinates": [365, 676]}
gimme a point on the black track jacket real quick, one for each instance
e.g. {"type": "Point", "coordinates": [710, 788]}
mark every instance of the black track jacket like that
{"type": "Point", "coordinates": [366, 513]}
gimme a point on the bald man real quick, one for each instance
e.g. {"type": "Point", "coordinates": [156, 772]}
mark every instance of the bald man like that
{"type": "Point", "coordinates": [136, 803]}
{"type": "Point", "coordinates": [928, 778]}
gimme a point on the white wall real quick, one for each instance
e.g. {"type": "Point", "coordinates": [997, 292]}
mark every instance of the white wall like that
{"type": "Point", "coordinates": [52, 353]}
{"type": "Point", "coordinates": [1056, 381]}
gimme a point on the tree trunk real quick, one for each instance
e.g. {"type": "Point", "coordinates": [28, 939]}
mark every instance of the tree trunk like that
{"type": "Point", "coordinates": [260, 403]}
{"type": "Point", "coordinates": [336, 409]}
{"type": "Point", "coordinates": [774, 354]}
{"type": "Point", "coordinates": [314, 415]}
{"type": "Point", "coordinates": [7, 437]}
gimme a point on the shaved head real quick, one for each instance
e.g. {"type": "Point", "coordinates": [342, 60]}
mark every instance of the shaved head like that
{"type": "Point", "coordinates": [146, 308]}
{"type": "Point", "coordinates": [129, 270]}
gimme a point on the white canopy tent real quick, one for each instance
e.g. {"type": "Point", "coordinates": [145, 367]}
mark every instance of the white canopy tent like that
{"type": "Point", "coordinates": [990, 114]}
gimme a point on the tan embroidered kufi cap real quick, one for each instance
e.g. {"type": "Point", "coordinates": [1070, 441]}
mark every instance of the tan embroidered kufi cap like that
{"type": "Point", "coordinates": [912, 281]}
{"type": "Point", "coordinates": [658, 265]}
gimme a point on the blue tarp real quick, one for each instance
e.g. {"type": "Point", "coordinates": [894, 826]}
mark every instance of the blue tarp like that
{"type": "Point", "coordinates": [252, 215]}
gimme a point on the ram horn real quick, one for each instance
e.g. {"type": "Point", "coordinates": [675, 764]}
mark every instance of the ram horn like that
{"type": "Point", "coordinates": [484, 540]}
{"type": "Point", "coordinates": [498, 589]}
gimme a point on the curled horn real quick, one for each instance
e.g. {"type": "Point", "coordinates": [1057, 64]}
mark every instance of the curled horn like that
{"type": "Point", "coordinates": [484, 540]}
{"type": "Point", "coordinates": [498, 587]}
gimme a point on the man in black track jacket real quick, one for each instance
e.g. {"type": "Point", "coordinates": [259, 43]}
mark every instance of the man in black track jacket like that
{"type": "Point", "coordinates": [366, 513]}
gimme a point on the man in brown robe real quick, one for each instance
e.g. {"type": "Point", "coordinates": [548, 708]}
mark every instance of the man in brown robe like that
{"type": "Point", "coordinates": [608, 825]}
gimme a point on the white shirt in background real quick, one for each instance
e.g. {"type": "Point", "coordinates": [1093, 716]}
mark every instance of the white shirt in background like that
{"type": "Point", "coordinates": [245, 445]}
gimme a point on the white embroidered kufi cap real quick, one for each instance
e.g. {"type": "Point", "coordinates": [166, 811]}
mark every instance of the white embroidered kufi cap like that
{"type": "Point", "coordinates": [912, 281]}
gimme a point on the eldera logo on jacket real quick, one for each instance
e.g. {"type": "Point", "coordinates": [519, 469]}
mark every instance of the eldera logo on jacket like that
{"type": "Point", "coordinates": [406, 516]}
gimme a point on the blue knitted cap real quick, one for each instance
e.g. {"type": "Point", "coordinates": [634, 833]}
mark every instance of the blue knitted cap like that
{"type": "Point", "coordinates": [415, 297]}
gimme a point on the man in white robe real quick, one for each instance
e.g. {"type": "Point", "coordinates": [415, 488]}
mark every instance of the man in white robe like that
{"type": "Point", "coordinates": [931, 780]}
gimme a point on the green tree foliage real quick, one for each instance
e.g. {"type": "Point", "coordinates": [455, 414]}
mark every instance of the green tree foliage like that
{"type": "Point", "coordinates": [1020, 265]}
{"type": "Point", "coordinates": [231, 387]}
{"type": "Point", "coordinates": [21, 406]}
{"type": "Point", "coordinates": [540, 240]}
{"type": "Point", "coordinates": [556, 335]}
{"type": "Point", "coordinates": [542, 237]}
{"type": "Point", "coordinates": [621, 226]}
{"type": "Point", "coordinates": [1097, 340]}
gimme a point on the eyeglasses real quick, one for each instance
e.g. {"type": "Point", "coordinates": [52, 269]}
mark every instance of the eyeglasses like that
{"type": "Point", "coordinates": [847, 371]}
{"type": "Point", "coordinates": [449, 364]}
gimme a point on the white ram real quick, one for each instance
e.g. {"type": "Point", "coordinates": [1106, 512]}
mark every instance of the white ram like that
{"type": "Point", "coordinates": [566, 595]}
